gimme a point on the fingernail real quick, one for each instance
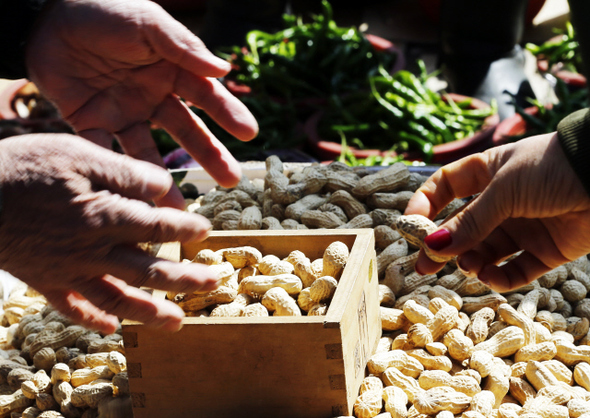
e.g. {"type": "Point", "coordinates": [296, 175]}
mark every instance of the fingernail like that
{"type": "Point", "coordinates": [463, 269]}
{"type": "Point", "coordinates": [158, 181]}
{"type": "Point", "coordinates": [438, 240]}
{"type": "Point", "coordinates": [172, 325]}
{"type": "Point", "coordinates": [486, 282]}
{"type": "Point", "coordinates": [200, 230]}
{"type": "Point", "coordinates": [220, 62]}
{"type": "Point", "coordinates": [210, 286]}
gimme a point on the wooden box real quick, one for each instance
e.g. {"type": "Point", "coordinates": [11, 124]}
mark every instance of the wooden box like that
{"type": "Point", "coordinates": [262, 367]}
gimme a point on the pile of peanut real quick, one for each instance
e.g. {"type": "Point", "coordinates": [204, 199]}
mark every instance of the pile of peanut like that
{"type": "Point", "coordinates": [253, 285]}
{"type": "Point", "coordinates": [50, 368]}
{"type": "Point", "coordinates": [450, 345]}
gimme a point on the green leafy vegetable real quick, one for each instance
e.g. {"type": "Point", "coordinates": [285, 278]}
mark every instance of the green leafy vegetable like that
{"type": "Point", "coordinates": [546, 117]}
{"type": "Point", "coordinates": [562, 50]}
{"type": "Point", "coordinates": [316, 59]}
{"type": "Point", "coordinates": [401, 114]}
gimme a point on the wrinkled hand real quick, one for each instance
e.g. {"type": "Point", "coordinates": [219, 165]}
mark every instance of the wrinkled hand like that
{"type": "Point", "coordinates": [72, 214]}
{"type": "Point", "coordinates": [112, 65]}
{"type": "Point", "coordinates": [531, 201]}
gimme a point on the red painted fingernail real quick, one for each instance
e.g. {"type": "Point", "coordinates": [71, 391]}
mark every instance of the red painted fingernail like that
{"type": "Point", "coordinates": [438, 240]}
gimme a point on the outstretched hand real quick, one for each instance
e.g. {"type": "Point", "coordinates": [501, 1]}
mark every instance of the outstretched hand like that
{"type": "Point", "coordinates": [72, 216]}
{"type": "Point", "coordinates": [530, 201]}
{"type": "Point", "coordinates": [110, 66]}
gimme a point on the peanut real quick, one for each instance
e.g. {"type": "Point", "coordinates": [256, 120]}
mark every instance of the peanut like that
{"type": "Point", "coordinates": [198, 301]}
{"type": "Point", "coordinates": [443, 321]}
{"type": "Point", "coordinates": [435, 378]}
{"type": "Point", "coordinates": [255, 310]}
{"type": "Point", "coordinates": [393, 377]}
{"type": "Point", "coordinates": [539, 375]}
{"type": "Point", "coordinates": [397, 359]}
{"type": "Point", "coordinates": [277, 300]}
{"type": "Point", "coordinates": [256, 286]}
{"type": "Point", "coordinates": [503, 344]}
{"type": "Point", "coordinates": [323, 288]}
{"type": "Point", "coordinates": [334, 259]}
{"type": "Point", "coordinates": [483, 402]}
{"type": "Point", "coordinates": [417, 313]}
{"type": "Point", "coordinates": [419, 335]}
{"type": "Point", "coordinates": [429, 361]}
{"type": "Point", "coordinates": [582, 375]}
{"type": "Point", "coordinates": [480, 323]}
{"type": "Point", "coordinates": [472, 304]}
{"type": "Point", "coordinates": [393, 319]}
{"type": "Point", "coordinates": [570, 354]}
{"type": "Point", "coordinates": [482, 362]}
{"type": "Point", "coordinates": [368, 404]}
{"type": "Point", "coordinates": [538, 352]}
{"type": "Point", "coordinates": [499, 384]}
{"type": "Point", "coordinates": [396, 402]}
{"type": "Point", "coordinates": [432, 401]}
{"type": "Point", "coordinates": [460, 347]}
{"type": "Point", "coordinates": [386, 296]}
{"type": "Point", "coordinates": [271, 265]}
{"type": "Point", "coordinates": [414, 228]}
{"type": "Point", "coordinates": [392, 178]}
{"type": "Point", "coordinates": [521, 389]}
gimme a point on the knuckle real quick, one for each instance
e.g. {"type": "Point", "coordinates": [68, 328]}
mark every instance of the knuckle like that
{"type": "Point", "coordinates": [469, 225]}
{"type": "Point", "coordinates": [152, 275]}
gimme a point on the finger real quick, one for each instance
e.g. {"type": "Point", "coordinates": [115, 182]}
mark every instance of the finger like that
{"type": "Point", "coordinates": [139, 269]}
{"type": "Point", "coordinates": [425, 265]}
{"type": "Point", "coordinates": [138, 143]}
{"type": "Point", "coordinates": [194, 136]}
{"type": "Point", "coordinates": [495, 248]}
{"type": "Point", "coordinates": [122, 220]}
{"type": "Point", "coordinates": [122, 174]}
{"type": "Point", "coordinates": [116, 297]}
{"type": "Point", "coordinates": [516, 273]}
{"type": "Point", "coordinates": [81, 310]}
{"type": "Point", "coordinates": [532, 236]}
{"type": "Point", "coordinates": [177, 44]}
{"type": "Point", "coordinates": [224, 108]}
{"type": "Point", "coordinates": [473, 224]}
{"type": "Point", "coordinates": [459, 179]}
{"type": "Point", "coordinates": [99, 137]}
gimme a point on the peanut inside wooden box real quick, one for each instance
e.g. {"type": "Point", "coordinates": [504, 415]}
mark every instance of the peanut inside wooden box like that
{"type": "Point", "coordinates": [308, 366]}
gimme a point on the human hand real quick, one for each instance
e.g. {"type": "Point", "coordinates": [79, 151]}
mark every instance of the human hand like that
{"type": "Point", "coordinates": [72, 215]}
{"type": "Point", "coordinates": [531, 201]}
{"type": "Point", "coordinates": [112, 65]}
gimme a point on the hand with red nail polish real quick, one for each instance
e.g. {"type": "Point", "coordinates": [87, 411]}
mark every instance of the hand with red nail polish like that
{"type": "Point", "coordinates": [529, 201]}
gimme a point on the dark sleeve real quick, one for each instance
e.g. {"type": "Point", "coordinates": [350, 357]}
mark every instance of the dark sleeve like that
{"type": "Point", "coordinates": [574, 136]}
{"type": "Point", "coordinates": [574, 130]}
{"type": "Point", "coordinates": [17, 18]}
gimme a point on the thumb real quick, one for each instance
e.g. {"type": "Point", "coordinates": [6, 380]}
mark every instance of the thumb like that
{"type": "Point", "coordinates": [122, 174]}
{"type": "Point", "coordinates": [470, 226]}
